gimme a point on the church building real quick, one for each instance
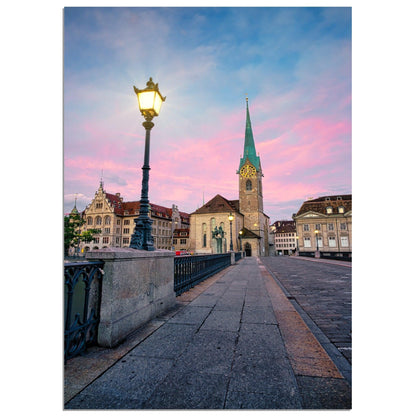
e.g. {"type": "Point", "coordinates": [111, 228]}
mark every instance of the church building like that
{"type": "Point", "coordinates": [223, 225]}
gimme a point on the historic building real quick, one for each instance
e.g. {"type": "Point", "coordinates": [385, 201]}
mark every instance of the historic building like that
{"type": "Point", "coordinates": [324, 225]}
{"type": "Point", "coordinates": [284, 237]}
{"type": "Point", "coordinates": [115, 218]}
{"type": "Point", "coordinates": [210, 226]}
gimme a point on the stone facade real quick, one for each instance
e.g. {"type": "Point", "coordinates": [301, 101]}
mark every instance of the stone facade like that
{"type": "Point", "coordinates": [115, 218]}
{"type": "Point", "coordinates": [325, 223]}
{"type": "Point", "coordinates": [205, 226]}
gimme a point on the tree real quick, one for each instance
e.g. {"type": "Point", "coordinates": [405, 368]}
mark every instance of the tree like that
{"type": "Point", "coordinates": [72, 231]}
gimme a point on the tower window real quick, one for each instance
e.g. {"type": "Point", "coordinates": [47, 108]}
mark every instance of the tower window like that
{"type": "Point", "coordinates": [249, 185]}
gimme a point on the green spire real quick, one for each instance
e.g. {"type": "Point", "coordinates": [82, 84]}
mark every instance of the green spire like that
{"type": "Point", "coordinates": [249, 147]}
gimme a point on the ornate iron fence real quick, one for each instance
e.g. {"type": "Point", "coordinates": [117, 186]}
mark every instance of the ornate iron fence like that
{"type": "Point", "coordinates": [83, 285]}
{"type": "Point", "coordinates": [238, 255]}
{"type": "Point", "coordinates": [191, 270]}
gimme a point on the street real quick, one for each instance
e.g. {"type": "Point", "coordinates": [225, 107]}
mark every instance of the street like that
{"type": "Point", "coordinates": [322, 290]}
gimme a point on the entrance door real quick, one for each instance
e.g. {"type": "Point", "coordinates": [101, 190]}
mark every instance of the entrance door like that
{"type": "Point", "coordinates": [247, 249]}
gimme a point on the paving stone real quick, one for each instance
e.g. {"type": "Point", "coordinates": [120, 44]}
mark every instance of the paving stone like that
{"type": "Point", "coordinates": [222, 320]}
{"type": "Point", "coordinates": [324, 393]}
{"type": "Point", "coordinates": [191, 315]}
{"type": "Point", "coordinates": [209, 352]}
{"type": "Point", "coordinates": [128, 384]}
{"type": "Point", "coordinates": [260, 401]}
{"type": "Point", "coordinates": [258, 315]}
{"type": "Point", "coordinates": [169, 341]}
{"type": "Point", "coordinates": [191, 390]}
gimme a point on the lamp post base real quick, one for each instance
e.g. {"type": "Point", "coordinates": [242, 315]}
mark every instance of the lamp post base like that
{"type": "Point", "coordinates": [142, 238]}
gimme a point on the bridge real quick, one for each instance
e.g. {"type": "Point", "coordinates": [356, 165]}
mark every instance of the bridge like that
{"type": "Point", "coordinates": [264, 333]}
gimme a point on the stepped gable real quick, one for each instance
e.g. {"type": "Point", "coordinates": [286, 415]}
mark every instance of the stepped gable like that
{"type": "Point", "coordinates": [320, 204]}
{"type": "Point", "coordinates": [218, 204]}
{"type": "Point", "coordinates": [116, 202]}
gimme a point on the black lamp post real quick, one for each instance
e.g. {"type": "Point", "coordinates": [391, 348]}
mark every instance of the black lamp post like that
{"type": "Point", "coordinates": [150, 102]}
{"type": "Point", "coordinates": [317, 245]}
{"type": "Point", "coordinates": [231, 217]}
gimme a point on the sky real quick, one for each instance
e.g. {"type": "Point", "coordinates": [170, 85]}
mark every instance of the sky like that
{"type": "Point", "coordinates": [294, 64]}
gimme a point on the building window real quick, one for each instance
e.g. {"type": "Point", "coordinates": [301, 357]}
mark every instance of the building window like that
{"type": "Point", "coordinates": [307, 241]}
{"type": "Point", "coordinates": [344, 241]}
{"type": "Point", "coordinates": [99, 205]}
{"type": "Point", "coordinates": [318, 227]}
{"type": "Point", "coordinates": [97, 240]}
{"type": "Point", "coordinates": [89, 221]}
{"type": "Point", "coordinates": [183, 240]}
{"type": "Point", "coordinates": [107, 220]}
{"type": "Point", "coordinates": [107, 230]}
{"type": "Point", "coordinates": [126, 222]}
{"type": "Point", "coordinates": [330, 227]}
{"type": "Point", "coordinates": [118, 222]}
{"type": "Point", "coordinates": [125, 240]}
{"type": "Point", "coordinates": [329, 210]}
{"type": "Point", "coordinates": [305, 227]}
{"type": "Point", "coordinates": [174, 241]}
{"type": "Point", "coordinates": [332, 242]}
{"type": "Point", "coordinates": [249, 185]}
{"type": "Point", "coordinates": [98, 221]}
{"type": "Point", "coordinates": [343, 226]}
{"type": "Point", "coordinates": [106, 240]}
{"type": "Point", "coordinates": [126, 230]}
{"type": "Point", "coordinates": [341, 210]}
{"type": "Point", "coordinates": [320, 245]}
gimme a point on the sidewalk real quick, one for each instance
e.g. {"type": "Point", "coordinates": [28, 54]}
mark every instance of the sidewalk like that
{"type": "Point", "coordinates": [235, 341]}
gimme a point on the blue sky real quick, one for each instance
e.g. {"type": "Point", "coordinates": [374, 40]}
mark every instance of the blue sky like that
{"type": "Point", "coordinates": [293, 63]}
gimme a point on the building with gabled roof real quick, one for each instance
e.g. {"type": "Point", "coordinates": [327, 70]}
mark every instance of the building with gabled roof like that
{"type": "Point", "coordinates": [210, 228]}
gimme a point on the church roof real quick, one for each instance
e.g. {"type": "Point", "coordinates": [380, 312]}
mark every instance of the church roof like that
{"type": "Point", "coordinates": [249, 147]}
{"type": "Point", "coordinates": [218, 204]}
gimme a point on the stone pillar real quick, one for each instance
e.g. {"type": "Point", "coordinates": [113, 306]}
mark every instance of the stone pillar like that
{"type": "Point", "coordinates": [137, 286]}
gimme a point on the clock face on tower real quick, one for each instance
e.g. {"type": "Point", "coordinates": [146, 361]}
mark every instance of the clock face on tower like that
{"type": "Point", "coordinates": [248, 171]}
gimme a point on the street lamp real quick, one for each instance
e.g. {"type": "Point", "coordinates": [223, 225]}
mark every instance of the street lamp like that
{"type": "Point", "coordinates": [231, 217]}
{"type": "Point", "coordinates": [317, 245]}
{"type": "Point", "coordinates": [150, 102]}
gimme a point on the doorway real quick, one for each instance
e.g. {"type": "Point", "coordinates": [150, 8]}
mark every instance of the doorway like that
{"type": "Point", "coordinates": [247, 249]}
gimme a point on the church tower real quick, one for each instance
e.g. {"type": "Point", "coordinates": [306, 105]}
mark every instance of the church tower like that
{"type": "Point", "coordinates": [250, 180]}
{"type": "Point", "coordinates": [251, 195]}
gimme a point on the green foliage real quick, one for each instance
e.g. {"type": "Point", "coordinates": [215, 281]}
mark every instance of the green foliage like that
{"type": "Point", "coordinates": [72, 231]}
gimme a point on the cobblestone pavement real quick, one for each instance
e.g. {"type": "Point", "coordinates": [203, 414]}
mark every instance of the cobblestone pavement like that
{"type": "Point", "coordinates": [323, 291]}
{"type": "Point", "coordinates": [239, 344]}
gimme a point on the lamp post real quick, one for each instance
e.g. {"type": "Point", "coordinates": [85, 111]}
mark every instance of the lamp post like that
{"type": "Point", "coordinates": [297, 245]}
{"type": "Point", "coordinates": [150, 102]}
{"type": "Point", "coordinates": [317, 245]}
{"type": "Point", "coordinates": [240, 233]}
{"type": "Point", "coordinates": [231, 217]}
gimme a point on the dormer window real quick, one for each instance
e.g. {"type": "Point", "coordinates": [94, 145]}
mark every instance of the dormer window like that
{"type": "Point", "coordinates": [329, 210]}
{"type": "Point", "coordinates": [341, 210]}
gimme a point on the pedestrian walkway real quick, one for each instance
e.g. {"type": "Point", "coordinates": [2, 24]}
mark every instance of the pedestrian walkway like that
{"type": "Point", "coordinates": [235, 343]}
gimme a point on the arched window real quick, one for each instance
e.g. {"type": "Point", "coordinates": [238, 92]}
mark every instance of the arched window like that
{"type": "Point", "coordinates": [204, 235]}
{"type": "Point", "coordinates": [98, 220]}
{"type": "Point", "coordinates": [89, 221]}
{"type": "Point", "coordinates": [107, 220]}
{"type": "Point", "coordinates": [249, 185]}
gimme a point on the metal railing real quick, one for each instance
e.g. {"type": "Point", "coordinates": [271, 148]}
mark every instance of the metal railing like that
{"type": "Point", "coordinates": [83, 285]}
{"type": "Point", "coordinates": [191, 270]}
